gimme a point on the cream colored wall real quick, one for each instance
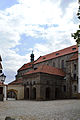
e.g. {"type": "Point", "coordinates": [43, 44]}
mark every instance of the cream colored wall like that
{"type": "Point", "coordinates": [19, 89]}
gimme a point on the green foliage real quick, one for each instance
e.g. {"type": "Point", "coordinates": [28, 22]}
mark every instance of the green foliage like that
{"type": "Point", "coordinates": [76, 36]}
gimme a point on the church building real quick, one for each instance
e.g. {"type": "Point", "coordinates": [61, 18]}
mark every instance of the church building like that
{"type": "Point", "coordinates": [52, 76]}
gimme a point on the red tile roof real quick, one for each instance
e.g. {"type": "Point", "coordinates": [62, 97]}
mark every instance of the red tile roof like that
{"type": "Point", "coordinates": [56, 54]}
{"type": "Point", "coordinates": [19, 81]}
{"type": "Point", "coordinates": [74, 57]}
{"type": "Point", "coordinates": [59, 53]}
{"type": "Point", "coordinates": [46, 69]}
{"type": "Point", "coordinates": [25, 66]}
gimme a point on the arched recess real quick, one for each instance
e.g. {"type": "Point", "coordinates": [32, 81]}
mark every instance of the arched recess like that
{"type": "Point", "coordinates": [12, 94]}
{"type": "Point", "coordinates": [27, 93]}
{"type": "Point", "coordinates": [34, 93]}
{"type": "Point", "coordinates": [48, 93]}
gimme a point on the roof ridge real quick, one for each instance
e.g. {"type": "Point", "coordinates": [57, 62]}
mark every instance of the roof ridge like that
{"type": "Point", "coordinates": [59, 50]}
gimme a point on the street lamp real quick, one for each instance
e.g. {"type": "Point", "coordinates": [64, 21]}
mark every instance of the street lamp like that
{"type": "Point", "coordinates": [2, 78]}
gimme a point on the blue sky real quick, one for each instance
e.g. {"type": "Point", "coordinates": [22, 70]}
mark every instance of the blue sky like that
{"type": "Point", "coordinates": [43, 26]}
{"type": "Point", "coordinates": [7, 3]}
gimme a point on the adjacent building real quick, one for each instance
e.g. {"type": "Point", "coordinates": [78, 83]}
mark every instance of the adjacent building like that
{"type": "Point", "coordinates": [3, 89]}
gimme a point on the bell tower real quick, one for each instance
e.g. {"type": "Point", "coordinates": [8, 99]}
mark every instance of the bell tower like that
{"type": "Point", "coordinates": [32, 57]}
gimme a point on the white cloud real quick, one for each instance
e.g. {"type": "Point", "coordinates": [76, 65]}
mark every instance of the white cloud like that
{"type": "Point", "coordinates": [26, 18]}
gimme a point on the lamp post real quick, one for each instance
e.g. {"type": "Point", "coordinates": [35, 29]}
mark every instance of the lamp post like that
{"type": "Point", "coordinates": [2, 78]}
{"type": "Point", "coordinates": [77, 38]}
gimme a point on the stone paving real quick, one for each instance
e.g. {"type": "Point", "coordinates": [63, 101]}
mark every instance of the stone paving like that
{"type": "Point", "coordinates": [41, 110]}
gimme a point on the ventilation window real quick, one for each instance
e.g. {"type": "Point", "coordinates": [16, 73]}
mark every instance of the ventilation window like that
{"type": "Point", "coordinates": [44, 58]}
{"type": "Point", "coordinates": [73, 48]}
{"type": "Point", "coordinates": [57, 53]}
{"type": "Point", "coordinates": [35, 68]}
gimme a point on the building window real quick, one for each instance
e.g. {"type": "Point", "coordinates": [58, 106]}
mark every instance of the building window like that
{"type": "Point", "coordinates": [74, 76]}
{"type": "Point", "coordinates": [47, 82]}
{"type": "Point", "coordinates": [77, 79]}
{"type": "Point", "coordinates": [64, 88]}
{"type": "Point", "coordinates": [57, 53]}
{"type": "Point", "coordinates": [33, 82]}
{"type": "Point", "coordinates": [62, 64]}
{"type": "Point", "coordinates": [53, 64]}
{"type": "Point", "coordinates": [27, 83]}
{"type": "Point", "coordinates": [74, 66]}
{"type": "Point", "coordinates": [73, 48]}
{"type": "Point", "coordinates": [75, 88]}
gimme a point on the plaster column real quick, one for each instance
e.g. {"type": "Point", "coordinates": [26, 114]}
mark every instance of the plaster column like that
{"type": "Point", "coordinates": [78, 68]}
{"type": "Point", "coordinates": [4, 92]}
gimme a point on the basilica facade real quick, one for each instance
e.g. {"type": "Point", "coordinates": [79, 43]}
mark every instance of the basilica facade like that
{"type": "Point", "coordinates": [52, 76]}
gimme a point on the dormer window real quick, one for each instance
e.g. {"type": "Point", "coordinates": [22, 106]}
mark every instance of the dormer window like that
{"type": "Point", "coordinates": [73, 48]}
{"type": "Point", "coordinates": [44, 58]}
{"type": "Point", "coordinates": [57, 53]}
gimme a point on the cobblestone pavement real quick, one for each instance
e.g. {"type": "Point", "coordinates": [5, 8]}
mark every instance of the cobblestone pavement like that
{"type": "Point", "coordinates": [41, 110]}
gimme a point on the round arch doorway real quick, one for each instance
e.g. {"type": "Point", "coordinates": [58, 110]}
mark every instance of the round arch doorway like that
{"type": "Point", "coordinates": [11, 95]}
